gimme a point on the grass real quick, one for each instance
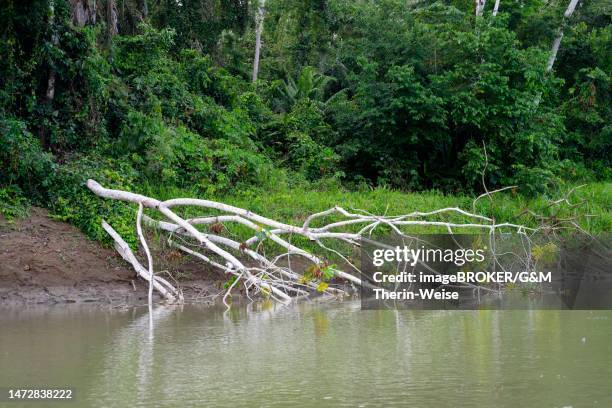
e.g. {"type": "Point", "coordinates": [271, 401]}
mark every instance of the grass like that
{"type": "Point", "coordinates": [294, 205]}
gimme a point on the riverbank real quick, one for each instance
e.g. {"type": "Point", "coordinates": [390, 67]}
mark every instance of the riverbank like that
{"type": "Point", "coordinates": [43, 261]}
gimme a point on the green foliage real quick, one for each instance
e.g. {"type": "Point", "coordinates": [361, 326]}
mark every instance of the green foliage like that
{"type": "Point", "coordinates": [199, 22]}
{"type": "Point", "coordinates": [23, 163]}
{"type": "Point", "coordinates": [416, 118]}
{"type": "Point", "coordinates": [73, 202]}
{"type": "Point", "coordinates": [545, 254]}
{"type": "Point", "coordinates": [34, 51]}
{"type": "Point", "coordinates": [319, 273]}
{"type": "Point", "coordinates": [401, 95]}
{"type": "Point", "coordinates": [293, 204]}
{"type": "Point", "coordinates": [322, 286]}
{"type": "Point", "coordinates": [196, 71]}
{"type": "Point", "coordinates": [588, 111]}
{"type": "Point", "coordinates": [310, 84]}
{"type": "Point", "coordinates": [228, 284]}
{"type": "Point", "coordinates": [12, 203]}
{"type": "Point", "coordinates": [300, 139]}
{"type": "Point", "coordinates": [176, 156]}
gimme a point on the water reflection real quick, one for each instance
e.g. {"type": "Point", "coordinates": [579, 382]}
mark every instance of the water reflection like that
{"type": "Point", "coordinates": [313, 355]}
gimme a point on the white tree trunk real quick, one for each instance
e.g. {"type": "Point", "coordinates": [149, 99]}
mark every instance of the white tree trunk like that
{"type": "Point", "coordinates": [161, 285]}
{"type": "Point", "coordinates": [480, 5]}
{"type": "Point", "coordinates": [570, 8]}
{"type": "Point", "coordinates": [259, 22]}
{"type": "Point", "coordinates": [557, 43]}
{"type": "Point", "coordinates": [143, 242]}
{"type": "Point", "coordinates": [554, 51]}
{"type": "Point", "coordinates": [496, 7]}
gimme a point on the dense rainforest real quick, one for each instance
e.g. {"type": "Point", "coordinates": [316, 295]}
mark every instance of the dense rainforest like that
{"type": "Point", "coordinates": [219, 97]}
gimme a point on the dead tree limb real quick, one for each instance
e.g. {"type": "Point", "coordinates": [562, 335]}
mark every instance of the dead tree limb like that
{"type": "Point", "coordinates": [257, 271]}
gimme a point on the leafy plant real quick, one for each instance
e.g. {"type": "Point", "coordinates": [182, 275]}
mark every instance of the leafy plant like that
{"type": "Point", "coordinates": [310, 84]}
{"type": "Point", "coordinates": [12, 203]}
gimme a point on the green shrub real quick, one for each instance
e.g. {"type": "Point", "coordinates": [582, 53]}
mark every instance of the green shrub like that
{"type": "Point", "coordinates": [138, 54]}
{"type": "Point", "coordinates": [23, 163]}
{"type": "Point", "coordinates": [236, 168]}
{"type": "Point", "coordinates": [73, 202]}
{"type": "Point", "coordinates": [533, 180]}
{"type": "Point", "coordinates": [12, 203]}
{"type": "Point", "coordinates": [195, 72]}
{"type": "Point", "coordinates": [299, 139]}
{"type": "Point", "coordinates": [176, 156]}
{"type": "Point", "coordinates": [149, 144]}
{"type": "Point", "coordinates": [310, 158]}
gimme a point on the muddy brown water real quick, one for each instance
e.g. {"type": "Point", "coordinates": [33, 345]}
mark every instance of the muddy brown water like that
{"type": "Point", "coordinates": [309, 355]}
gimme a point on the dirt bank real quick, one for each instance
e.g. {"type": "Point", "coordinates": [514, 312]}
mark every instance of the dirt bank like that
{"type": "Point", "coordinates": [43, 261]}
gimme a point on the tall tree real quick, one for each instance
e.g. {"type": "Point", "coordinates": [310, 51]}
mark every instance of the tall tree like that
{"type": "Point", "coordinates": [112, 18]}
{"type": "Point", "coordinates": [480, 5]}
{"type": "Point", "coordinates": [555, 48]}
{"type": "Point", "coordinates": [259, 24]}
{"type": "Point", "coordinates": [144, 9]}
{"type": "Point", "coordinates": [83, 12]}
{"type": "Point", "coordinates": [50, 90]}
{"type": "Point", "coordinates": [495, 8]}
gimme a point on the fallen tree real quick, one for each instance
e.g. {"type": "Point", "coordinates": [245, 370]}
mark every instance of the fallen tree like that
{"type": "Point", "coordinates": [268, 275]}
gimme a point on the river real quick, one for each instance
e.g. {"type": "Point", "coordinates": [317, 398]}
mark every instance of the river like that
{"type": "Point", "coordinates": [308, 354]}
